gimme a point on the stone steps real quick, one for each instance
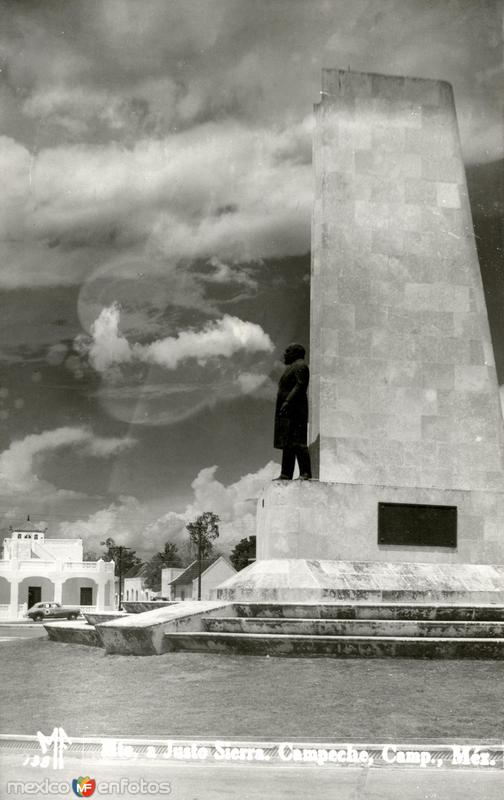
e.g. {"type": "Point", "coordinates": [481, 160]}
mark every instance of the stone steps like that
{"type": "Point", "coordinates": [373, 611]}
{"type": "Point", "coordinates": [311, 629]}
{"type": "Point", "coordinates": [73, 632]}
{"type": "Point", "coordinates": [354, 627]}
{"type": "Point", "coordinates": [299, 646]}
{"type": "Point", "coordinates": [340, 630]}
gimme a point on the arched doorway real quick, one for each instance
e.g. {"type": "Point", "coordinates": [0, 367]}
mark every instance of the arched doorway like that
{"type": "Point", "coordinates": [35, 589]}
{"type": "Point", "coordinates": [5, 589]}
{"type": "Point", "coordinates": [79, 592]}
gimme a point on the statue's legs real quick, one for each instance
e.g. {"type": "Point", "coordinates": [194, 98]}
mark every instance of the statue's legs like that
{"type": "Point", "coordinates": [289, 455]}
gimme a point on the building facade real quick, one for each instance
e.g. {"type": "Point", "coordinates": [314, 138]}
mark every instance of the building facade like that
{"type": "Point", "coordinates": [213, 573]}
{"type": "Point", "coordinates": [168, 575]}
{"type": "Point", "coordinates": [134, 585]}
{"type": "Point", "coordinates": [35, 568]}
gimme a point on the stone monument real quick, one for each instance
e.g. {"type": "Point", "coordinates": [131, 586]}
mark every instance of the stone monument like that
{"type": "Point", "coordinates": [405, 431]}
{"type": "Point", "coordinates": [397, 547]}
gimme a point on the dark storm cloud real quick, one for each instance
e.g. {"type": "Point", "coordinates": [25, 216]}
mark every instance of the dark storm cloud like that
{"type": "Point", "coordinates": [181, 129]}
{"type": "Point", "coordinates": [143, 68]}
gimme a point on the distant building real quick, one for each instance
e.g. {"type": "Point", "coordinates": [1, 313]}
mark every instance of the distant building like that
{"type": "Point", "coordinates": [34, 569]}
{"type": "Point", "coordinates": [185, 585]}
{"type": "Point", "coordinates": [168, 575]}
{"type": "Point", "coordinates": [134, 587]}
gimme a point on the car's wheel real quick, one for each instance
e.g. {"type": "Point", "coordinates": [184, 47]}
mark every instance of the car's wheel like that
{"type": "Point", "coordinates": [73, 616]}
{"type": "Point", "coordinates": [38, 617]}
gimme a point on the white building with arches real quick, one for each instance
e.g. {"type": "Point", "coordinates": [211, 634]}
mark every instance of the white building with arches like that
{"type": "Point", "coordinates": [35, 568]}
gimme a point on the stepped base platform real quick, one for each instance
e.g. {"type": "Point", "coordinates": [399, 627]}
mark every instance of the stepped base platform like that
{"type": "Point", "coordinates": [339, 630]}
{"type": "Point", "coordinates": [310, 646]}
{"type": "Point", "coordinates": [312, 608]}
{"type": "Point", "coordinates": [396, 628]}
{"type": "Point", "coordinates": [366, 611]}
{"type": "Point", "coordinates": [313, 629]}
{"type": "Point", "coordinates": [297, 580]}
{"type": "Point", "coordinates": [143, 634]}
{"type": "Point", "coordinates": [73, 632]}
{"type": "Point", "coordinates": [97, 617]}
{"type": "Point", "coordinates": [139, 606]}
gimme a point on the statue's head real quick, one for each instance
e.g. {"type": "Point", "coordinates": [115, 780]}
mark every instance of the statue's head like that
{"type": "Point", "coordinates": [293, 352]}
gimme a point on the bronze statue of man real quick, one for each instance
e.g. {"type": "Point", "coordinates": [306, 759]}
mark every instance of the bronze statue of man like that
{"type": "Point", "coordinates": [291, 414]}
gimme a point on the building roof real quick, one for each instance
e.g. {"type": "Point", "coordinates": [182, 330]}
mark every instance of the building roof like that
{"type": "Point", "coordinates": [189, 574]}
{"type": "Point", "coordinates": [138, 571]}
{"type": "Point", "coordinates": [28, 527]}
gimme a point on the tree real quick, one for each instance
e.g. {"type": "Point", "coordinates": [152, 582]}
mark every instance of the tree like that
{"type": "Point", "coordinates": [90, 555]}
{"type": "Point", "coordinates": [168, 557]}
{"type": "Point", "coordinates": [125, 557]}
{"type": "Point", "coordinates": [202, 533]}
{"type": "Point", "coordinates": [243, 553]}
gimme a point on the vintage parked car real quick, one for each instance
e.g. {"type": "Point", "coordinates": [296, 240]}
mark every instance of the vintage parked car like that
{"type": "Point", "coordinates": [52, 611]}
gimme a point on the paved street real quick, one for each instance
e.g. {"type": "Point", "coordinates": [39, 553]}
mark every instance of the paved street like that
{"type": "Point", "coordinates": [217, 782]}
{"type": "Point", "coordinates": [15, 633]}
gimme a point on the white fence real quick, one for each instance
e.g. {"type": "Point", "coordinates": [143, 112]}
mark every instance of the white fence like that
{"type": "Point", "coordinates": [5, 610]}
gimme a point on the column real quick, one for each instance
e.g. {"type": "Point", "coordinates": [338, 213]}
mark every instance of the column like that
{"type": "Point", "coordinates": [58, 590]}
{"type": "Point", "coordinates": [14, 599]}
{"type": "Point", "coordinates": [100, 595]}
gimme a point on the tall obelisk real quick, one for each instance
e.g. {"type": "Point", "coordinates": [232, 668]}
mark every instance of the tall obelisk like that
{"type": "Point", "coordinates": [406, 425]}
{"type": "Point", "coordinates": [404, 388]}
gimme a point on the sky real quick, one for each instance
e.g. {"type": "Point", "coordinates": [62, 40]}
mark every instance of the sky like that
{"type": "Point", "coordinates": [155, 238]}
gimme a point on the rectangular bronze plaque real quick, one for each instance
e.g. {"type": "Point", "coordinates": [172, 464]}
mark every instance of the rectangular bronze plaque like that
{"type": "Point", "coordinates": [413, 524]}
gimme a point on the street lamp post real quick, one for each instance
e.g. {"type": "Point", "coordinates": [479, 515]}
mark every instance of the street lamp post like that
{"type": "Point", "coordinates": [200, 547]}
{"type": "Point", "coordinates": [120, 577]}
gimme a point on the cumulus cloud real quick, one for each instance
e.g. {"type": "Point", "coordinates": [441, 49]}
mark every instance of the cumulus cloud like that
{"type": "Point", "coordinates": [223, 337]}
{"type": "Point", "coordinates": [235, 504]}
{"type": "Point", "coordinates": [133, 524]}
{"type": "Point", "coordinates": [224, 273]}
{"type": "Point", "coordinates": [108, 346]}
{"type": "Point", "coordinates": [249, 382]}
{"type": "Point", "coordinates": [104, 447]}
{"type": "Point", "coordinates": [18, 462]}
{"type": "Point", "coordinates": [121, 520]}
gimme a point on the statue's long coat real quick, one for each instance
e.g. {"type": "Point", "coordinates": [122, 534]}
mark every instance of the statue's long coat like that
{"type": "Point", "coordinates": [291, 426]}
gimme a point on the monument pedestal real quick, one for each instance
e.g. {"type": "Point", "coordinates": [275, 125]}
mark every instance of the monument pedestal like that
{"type": "Point", "coordinates": [339, 521]}
{"type": "Point", "coordinates": [299, 581]}
{"type": "Point", "coordinates": [318, 542]}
